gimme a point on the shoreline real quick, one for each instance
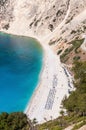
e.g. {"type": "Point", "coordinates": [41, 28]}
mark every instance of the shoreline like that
{"type": "Point", "coordinates": [42, 115]}
{"type": "Point", "coordinates": [52, 67]}
{"type": "Point", "coordinates": [38, 84]}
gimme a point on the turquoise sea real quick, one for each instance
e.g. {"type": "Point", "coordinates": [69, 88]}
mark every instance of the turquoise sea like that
{"type": "Point", "coordinates": [20, 66]}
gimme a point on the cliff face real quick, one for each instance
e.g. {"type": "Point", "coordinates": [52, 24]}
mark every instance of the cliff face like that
{"type": "Point", "coordinates": [6, 13]}
{"type": "Point", "coordinates": [60, 20]}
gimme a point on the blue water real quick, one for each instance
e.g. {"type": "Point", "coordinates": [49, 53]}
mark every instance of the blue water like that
{"type": "Point", "coordinates": [20, 66]}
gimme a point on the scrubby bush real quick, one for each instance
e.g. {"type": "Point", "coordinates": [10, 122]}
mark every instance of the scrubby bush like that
{"type": "Point", "coordinates": [59, 52]}
{"type": "Point", "coordinates": [76, 58]}
{"type": "Point", "coordinates": [13, 121]}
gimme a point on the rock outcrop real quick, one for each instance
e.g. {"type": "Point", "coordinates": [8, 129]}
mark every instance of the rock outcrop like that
{"type": "Point", "coordinates": [57, 20]}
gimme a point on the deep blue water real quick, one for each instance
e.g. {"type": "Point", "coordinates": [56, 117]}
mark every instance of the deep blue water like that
{"type": "Point", "coordinates": [20, 66]}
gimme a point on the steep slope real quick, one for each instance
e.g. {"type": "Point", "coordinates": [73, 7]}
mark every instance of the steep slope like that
{"type": "Point", "coordinates": [54, 22]}
{"type": "Point", "coordinates": [41, 18]}
{"type": "Point", "coordinates": [6, 13]}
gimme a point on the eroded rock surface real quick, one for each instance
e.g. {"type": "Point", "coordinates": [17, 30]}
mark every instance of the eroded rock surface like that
{"type": "Point", "coordinates": [44, 19]}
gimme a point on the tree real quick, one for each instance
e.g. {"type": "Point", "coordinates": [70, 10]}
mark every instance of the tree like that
{"type": "Point", "coordinates": [13, 121]}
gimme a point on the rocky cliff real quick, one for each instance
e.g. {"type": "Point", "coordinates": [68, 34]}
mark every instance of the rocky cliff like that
{"type": "Point", "coordinates": [58, 21]}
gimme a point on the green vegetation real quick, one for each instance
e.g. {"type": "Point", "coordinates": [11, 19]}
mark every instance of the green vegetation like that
{"type": "Point", "coordinates": [75, 104]}
{"type": "Point", "coordinates": [62, 122]}
{"type": "Point", "coordinates": [65, 54]}
{"type": "Point", "coordinates": [77, 126]}
{"type": "Point", "coordinates": [13, 121]}
{"type": "Point", "coordinates": [76, 58]}
{"type": "Point", "coordinates": [76, 44]}
{"type": "Point", "coordinates": [59, 52]}
{"type": "Point", "coordinates": [51, 125]}
{"type": "Point", "coordinates": [74, 48]}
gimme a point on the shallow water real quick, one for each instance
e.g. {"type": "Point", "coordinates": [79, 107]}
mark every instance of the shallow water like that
{"type": "Point", "coordinates": [20, 66]}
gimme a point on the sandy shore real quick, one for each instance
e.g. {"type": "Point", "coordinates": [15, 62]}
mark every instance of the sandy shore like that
{"type": "Point", "coordinates": [54, 83]}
